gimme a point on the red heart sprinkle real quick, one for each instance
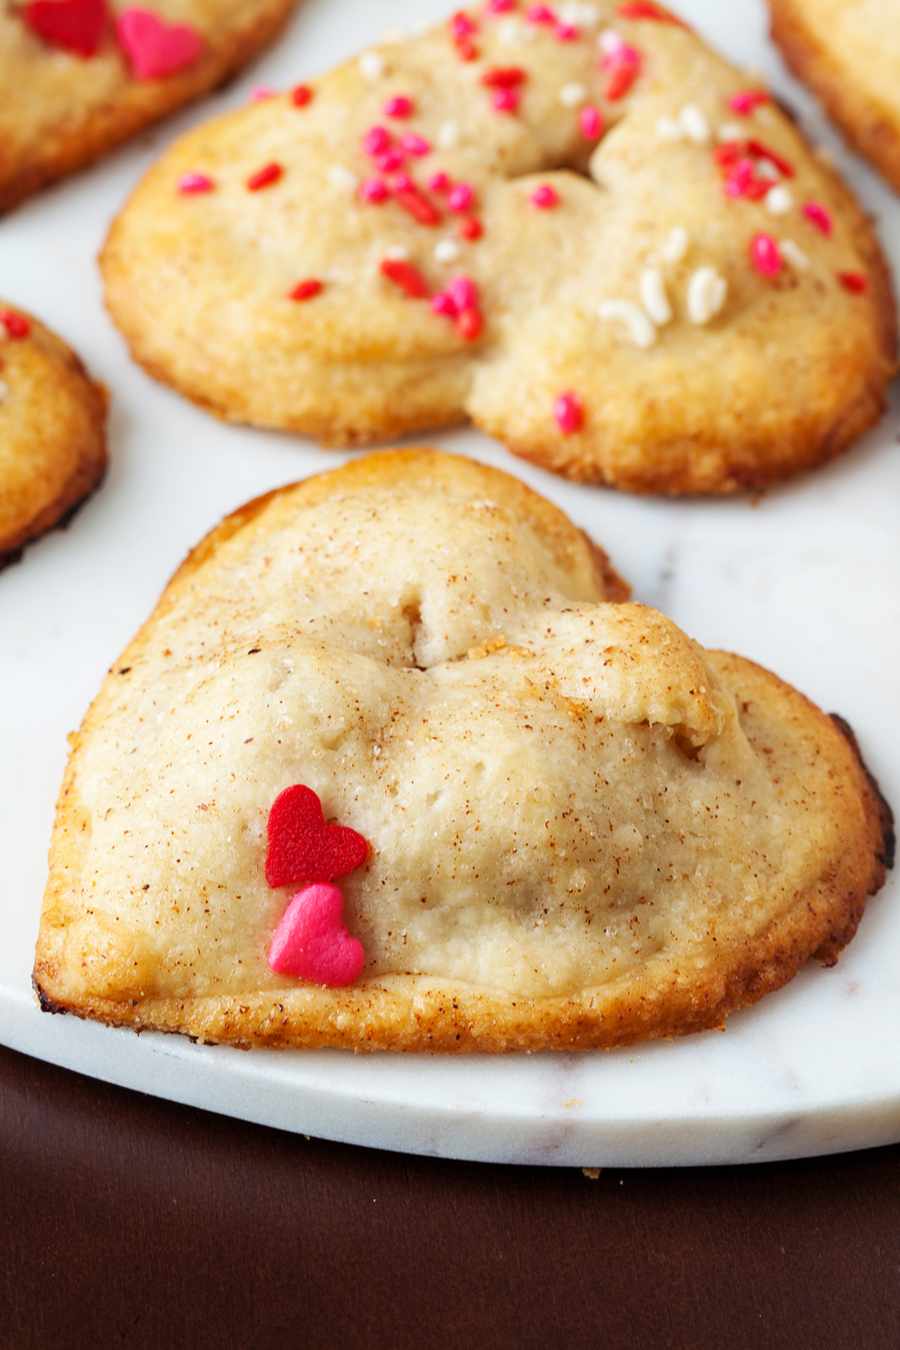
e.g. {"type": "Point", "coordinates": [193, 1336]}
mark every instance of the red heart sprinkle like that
{"type": "Point", "coordinates": [302, 847]}
{"type": "Point", "coordinates": [76, 25]}
{"type": "Point", "coordinates": [156, 49]}
{"type": "Point", "coordinates": [311, 941]}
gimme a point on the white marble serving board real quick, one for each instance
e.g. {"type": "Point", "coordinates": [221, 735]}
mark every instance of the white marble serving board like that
{"type": "Point", "coordinates": [805, 580]}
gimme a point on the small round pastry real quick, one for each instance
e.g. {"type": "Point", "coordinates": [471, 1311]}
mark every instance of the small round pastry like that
{"type": "Point", "coordinates": [394, 766]}
{"type": "Point", "coordinates": [52, 431]}
{"type": "Point", "coordinates": [848, 52]}
{"type": "Point", "coordinates": [591, 238]}
{"type": "Point", "coordinates": [84, 75]}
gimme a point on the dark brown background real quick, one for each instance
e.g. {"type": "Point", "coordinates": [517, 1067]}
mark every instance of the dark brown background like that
{"type": "Point", "coordinates": [127, 1221]}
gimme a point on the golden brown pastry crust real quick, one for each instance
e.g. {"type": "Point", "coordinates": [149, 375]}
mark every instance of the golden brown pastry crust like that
{"type": "Point", "coordinates": [787, 374]}
{"type": "Point", "coordinates": [68, 111]}
{"type": "Point", "coordinates": [665, 834]}
{"type": "Point", "coordinates": [817, 46]}
{"type": "Point", "coordinates": [52, 435]}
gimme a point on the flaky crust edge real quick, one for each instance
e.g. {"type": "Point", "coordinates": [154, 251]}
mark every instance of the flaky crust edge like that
{"type": "Point", "coordinates": [866, 123]}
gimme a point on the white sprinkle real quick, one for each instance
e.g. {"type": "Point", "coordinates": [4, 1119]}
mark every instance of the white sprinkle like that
{"type": "Point", "coordinates": [779, 200]}
{"type": "Point", "coordinates": [513, 33]}
{"type": "Point", "coordinates": [581, 15]}
{"type": "Point", "coordinates": [695, 125]}
{"type": "Point", "coordinates": [706, 295]}
{"type": "Point", "coordinates": [610, 40]}
{"type": "Point", "coordinates": [730, 131]}
{"type": "Point", "coordinates": [573, 95]}
{"type": "Point", "coordinates": [653, 296]}
{"type": "Point", "coordinates": [667, 129]}
{"type": "Point", "coordinates": [393, 35]}
{"type": "Point", "coordinates": [372, 65]}
{"type": "Point", "coordinates": [447, 135]}
{"type": "Point", "coordinates": [396, 253]}
{"type": "Point", "coordinates": [766, 169]}
{"type": "Point", "coordinates": [640, 329]}
{"type": "Point", "coordinates": [447, 251]}
{"type": "Point", "coordinates": [4, 390]}
{"type": "Point", "coordinates": [341, 177]}
{"type": "Point", "coordinates": [793, 254]}
{"type": "Point", "coordinates": [676, 246]}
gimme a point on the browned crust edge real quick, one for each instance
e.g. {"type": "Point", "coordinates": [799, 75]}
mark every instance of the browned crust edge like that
{"type": "Point", "coordinates": [871, 128]}
{"type": "Point", "coordinates": [92, 459]}
{"type": "Point", "coordinates": [85, 140]}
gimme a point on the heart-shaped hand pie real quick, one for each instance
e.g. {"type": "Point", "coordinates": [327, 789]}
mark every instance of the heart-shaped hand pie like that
{"type": "Point", "coordinates": [52, 432]}
{"type": "Point", "coordinates": [578, 227]}
{"type": "Point", "coordinates": [83, 82]}
{"type": "Point", "coordinates": [850, 55]}
{"type": "Point", "coordinates": [311, 941]}
{"type": "Point", "coordinates": [583, 829]}
{"type": "Point", "coordinates": [302, 847]}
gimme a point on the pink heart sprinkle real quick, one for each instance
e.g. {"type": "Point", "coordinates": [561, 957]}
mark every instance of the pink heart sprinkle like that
{"type": "Point", "coordinates": [156, 49]}
{"type": "Point", "coordinates": [311, 941]}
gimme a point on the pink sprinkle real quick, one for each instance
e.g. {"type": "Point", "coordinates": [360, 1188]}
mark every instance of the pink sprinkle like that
{"type": "Point", "coordinates": [389, 162]}
{"type": "Point", "coordinates": [766, 255]}
{"type": "Point", "coordinates": [402, 183]}
{"type": "Point", "coordinates": [566, 32]}
{"type": "Point", "coordinates": [399, 106]}
{"type": "Point", "coordinates": [540, 14]}
{"type": "Point", "coordinates": [740, 177]}
{"type": "Point", "coordinates": [376, 141]}
{"type": "Point", "coordinates": [464, 293]}
{"type": "Point", "coordinates": [195, 182]}
{"type": "Point", "coordinates": [442, 303]}
{"type": "Point", "coordinates": [569, 413]}
{"type": "Point", "coordinates": [506, 100]}
{"type": "Point", "coordinates": [260, 92]}
{"type": "Point", "coordinates": [499, 6]}
{"type": "Point", "coordinates": [744, 102]}
{"type": "Point", "coordinates": [439, 182]}
{"type": "Point", "coordinates": [622, 64]}
{"type": "Point", "coordinates": [817, 215]}
{"type": "Point", "coordinates": [414, 145]}
{"type": "Point", "coordinates": [462, 26]}
{"type": "Point", "coordinates": [590, 120]}
{"type": "Point", "coordinates": [461, 197]}
{"type": "Point", "coordinates": [544, 197]}
{"type": "Point", "coordinates": [373, 190]}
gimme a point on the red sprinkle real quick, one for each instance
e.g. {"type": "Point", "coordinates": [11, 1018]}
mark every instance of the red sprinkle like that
{"type": "Point", "coordinates": [544, 197]}
{"type": "Point", "coordinates": [645, 9]}
{"type": "Point", "coordinates": [761, 151]}
{"type": "Point", "coordinates": [399, 106]}
{"type": "Point", "coordinates": [504, 77]}
{"type": "Point", "coordinates": [305, 290]}
{"type": "Point", "coordinates": [744, 102]}
{"type": "Point", "coordinates": [854, 281]}
{"type": "Point", "coordinates": [540, 14]}
{"type": "Point", "coordinates": [741, 181]}
{"type": "Point", "coordinates": [471, 228]}
{"type": "Point", "coordinates": [590, 119]}
{"type": "Point", "coordinates": [506, 100]}
{"type": "Point", "coordinates": [264, 177]}
{"type": "Point", "coordinates": [566, 32]}
{"type": "Point", "coordinates": [499, 6]}
{"type": "Point", "coordinates": [414, 202]}
{"type": "Point", "coordinates": [766, 255]}
{"type": "Point", "coordinates": [466, 50]}
{"type": "Point", "coordinates": [569, 413]}
{"type": "Point", "coordinates": [16, 326]}
{"type": "Point", "coordinates": [817, 215]}
{"type": "Point", "coordinates": [374, 190]}
{"type": "Point", "coordinates": [622, 65]}
{"type": "Point", "coordinates": [469, 324]}
{"type": "Point", "coordinates": [462, 26]}
{"type": "Point", "coordinates": [404, 275]}
{"type": "Point", "coordinates": [195, 182]}
{"type": "Point", "coordinates": [301, 95]}
{"type": "Point", "coordinates": [461, 198]}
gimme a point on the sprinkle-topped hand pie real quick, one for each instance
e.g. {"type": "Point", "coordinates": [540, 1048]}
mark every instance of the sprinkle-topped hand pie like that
{"type": "Point", "coordinates": [398, 720]}
{"type": "Point", "coordinates": [52, 431]}
{"type": "Point", "coordinates": [579, 228]}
